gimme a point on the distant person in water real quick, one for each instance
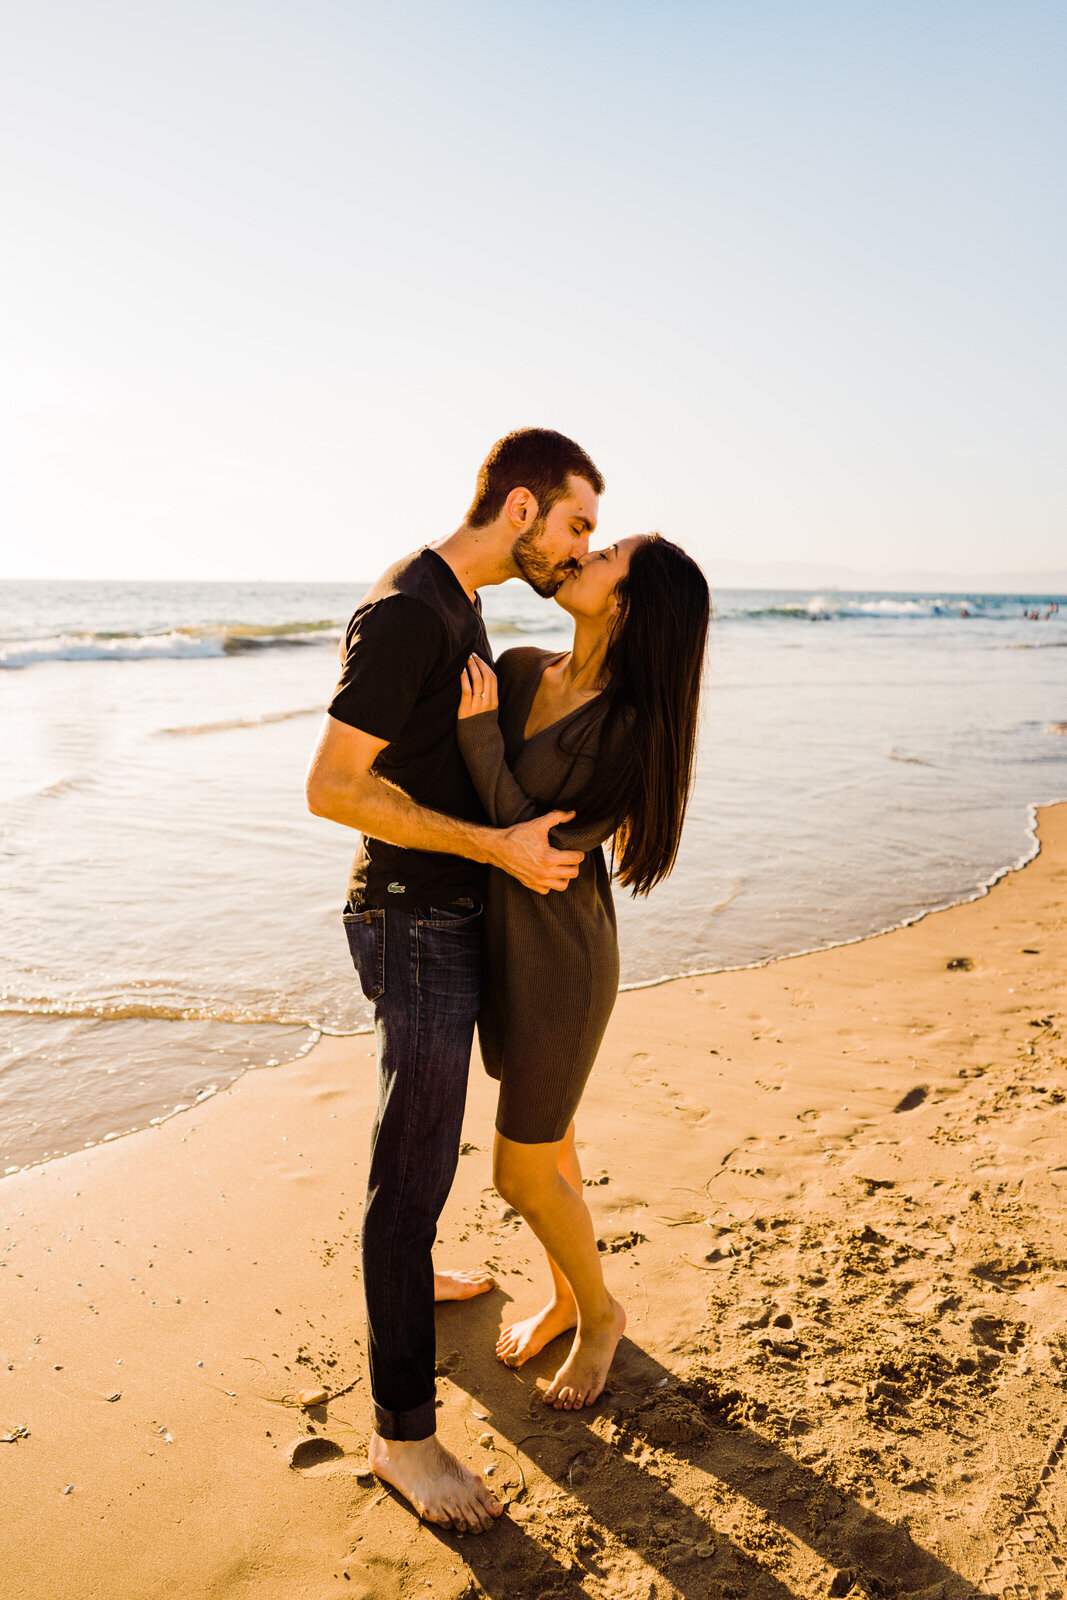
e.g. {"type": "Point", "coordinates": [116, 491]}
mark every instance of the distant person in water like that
{"type": "Point", "coordinates": [388, 764]}
{"type": "Point", "coordinates": [606, 729]}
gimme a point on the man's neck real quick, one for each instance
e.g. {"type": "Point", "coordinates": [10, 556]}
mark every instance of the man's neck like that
{"type": "Point", "coordinates": [477, 557]}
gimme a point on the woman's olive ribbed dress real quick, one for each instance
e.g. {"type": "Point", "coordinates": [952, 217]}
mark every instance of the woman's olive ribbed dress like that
{"type": "Point", "coordinates": [551, 962]}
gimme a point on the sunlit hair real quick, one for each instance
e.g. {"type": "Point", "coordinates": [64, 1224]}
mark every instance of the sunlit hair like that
{"type": "Point", "coordinates": [530, 458]}
{"type": "Point", "coordinates": [649, 702]}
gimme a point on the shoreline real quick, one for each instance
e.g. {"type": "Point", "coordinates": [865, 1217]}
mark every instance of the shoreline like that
{"type": "Point", "coordinates": [1033, 810]}
{"type": "Point", "coordinates": [830, 1192]}
{"type": "Point", "coordinates": [318, 1033]}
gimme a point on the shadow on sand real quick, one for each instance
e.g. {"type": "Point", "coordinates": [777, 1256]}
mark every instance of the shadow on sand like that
{"type": "Point", "coordinates": [610, 1515]}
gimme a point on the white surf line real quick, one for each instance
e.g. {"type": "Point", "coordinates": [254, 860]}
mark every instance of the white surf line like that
{"type": "Point", "coordinates": [1030, 854]}
{"type": "Point", "coordinates": [244, 722]}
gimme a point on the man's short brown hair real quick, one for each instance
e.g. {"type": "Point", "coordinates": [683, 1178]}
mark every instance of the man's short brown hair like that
{"type": "Point", "coordinates": [536, 459]}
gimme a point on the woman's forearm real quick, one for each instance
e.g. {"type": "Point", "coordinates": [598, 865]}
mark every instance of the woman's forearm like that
{"type": "Point", "coordinates": [506, 802]}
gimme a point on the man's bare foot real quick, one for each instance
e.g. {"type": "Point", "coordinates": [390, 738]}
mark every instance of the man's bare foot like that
{"type": "Point", "coordinates": [521, 1340]}
{"type": "Point", "coordinates": [581, 1378]}
{"type": "Point", "coordinates": [437, 1485]}
{"type": "Point", "coordinates": [462, 1285]}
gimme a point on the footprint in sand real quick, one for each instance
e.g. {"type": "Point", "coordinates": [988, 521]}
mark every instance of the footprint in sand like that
{"type": "Point", "coordinates": [686, 1112]}
{"type": "Point", "coordinates": [614, 1243]}
{"type": "Point", "coordinates": [311, 1451]}
{"type": "Point", "coordinates": [757, 1317]}
{"type": "Point", "coordinates": [1030, 1559]}
{"type": "Point", "coordinates": [1008, 1271]}
{"type": "Point", "coordinates": [638, 1071]}
{"type": "Point", "coordinates": [997, 1334]}
{"type": "Point", "coordinates": [871, 1186]}
{"type": "Point", "coordinates": [924, 1300]}
{"type": "Point", "coordinates": [913, 1098]}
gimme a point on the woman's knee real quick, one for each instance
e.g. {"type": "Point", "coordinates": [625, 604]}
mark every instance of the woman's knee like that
{"type": "Point", "coordinates": [522, 1177]}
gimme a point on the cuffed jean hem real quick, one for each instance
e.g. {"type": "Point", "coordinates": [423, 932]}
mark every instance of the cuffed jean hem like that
{"type": "Point", "coordinates": [406, 1425]}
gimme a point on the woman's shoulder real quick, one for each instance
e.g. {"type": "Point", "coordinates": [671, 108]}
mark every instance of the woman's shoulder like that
{"type": "Point", "coordinates": [528, 652]}
{"type": "Point", "coordinates": [522, 661]}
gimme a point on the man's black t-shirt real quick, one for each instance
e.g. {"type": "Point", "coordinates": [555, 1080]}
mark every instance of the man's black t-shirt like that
{"type": "Point", "coordinates": [404, 651]}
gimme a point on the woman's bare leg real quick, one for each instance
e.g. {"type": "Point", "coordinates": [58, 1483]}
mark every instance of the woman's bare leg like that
{"type": "Point", "coordinates": [529, 1177]}
{"type": "Point", "coordinates": [528, 1337]}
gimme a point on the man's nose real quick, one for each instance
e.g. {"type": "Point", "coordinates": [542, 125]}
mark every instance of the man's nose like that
{"type": "Point", "coordinates": [581, 546]}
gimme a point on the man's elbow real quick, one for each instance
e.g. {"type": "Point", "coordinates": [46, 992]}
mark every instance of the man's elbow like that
{"type": "Point", "coordinates": [338, 798]}
{"type": "Point", "coordinates": [320, 794]}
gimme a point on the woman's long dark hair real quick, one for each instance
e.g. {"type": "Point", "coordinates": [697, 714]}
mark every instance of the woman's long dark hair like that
{"type": "Point", "coordinates": [649, 701]}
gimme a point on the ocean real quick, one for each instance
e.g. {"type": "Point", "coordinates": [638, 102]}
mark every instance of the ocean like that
{"type": "Point", "coordinates": [169, 912]}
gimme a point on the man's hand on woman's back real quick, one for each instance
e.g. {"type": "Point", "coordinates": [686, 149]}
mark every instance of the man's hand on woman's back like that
{"type": "Point", "coordinates": [524, 852]}
{"type": "Point", "coordinates": [342, 787]}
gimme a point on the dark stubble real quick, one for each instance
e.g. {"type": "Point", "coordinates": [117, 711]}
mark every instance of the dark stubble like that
{"type": "Point", "coordinates": [543, 576]}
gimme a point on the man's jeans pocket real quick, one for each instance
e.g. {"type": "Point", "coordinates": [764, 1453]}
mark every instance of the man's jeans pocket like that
{"type": "Point", "coordinates": [460, 915]}
{"type": "Point", "coordinates": [366, 941]}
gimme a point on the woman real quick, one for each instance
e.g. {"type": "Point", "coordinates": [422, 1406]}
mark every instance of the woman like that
{"type": "Point", "coordinates": [606, 729]}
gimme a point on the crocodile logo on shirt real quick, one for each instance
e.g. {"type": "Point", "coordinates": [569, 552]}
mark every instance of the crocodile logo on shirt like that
{"type": "Point", "coordinates": [398, 888]}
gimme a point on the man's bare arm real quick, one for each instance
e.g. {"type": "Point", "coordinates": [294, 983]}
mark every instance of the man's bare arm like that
{"type": "Point", "coordinates": [342, 788]}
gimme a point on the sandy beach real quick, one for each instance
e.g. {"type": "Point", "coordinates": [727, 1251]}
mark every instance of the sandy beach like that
{"type": "Point", "coordinates": [831, 1190]}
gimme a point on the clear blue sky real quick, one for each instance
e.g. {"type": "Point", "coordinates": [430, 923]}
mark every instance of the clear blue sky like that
{"type": "Point", "coordinates": [276, 275]}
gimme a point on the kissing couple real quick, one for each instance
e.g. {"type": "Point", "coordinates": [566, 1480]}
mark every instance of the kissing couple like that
{"type": "Point", "coordinates": [480, 897]}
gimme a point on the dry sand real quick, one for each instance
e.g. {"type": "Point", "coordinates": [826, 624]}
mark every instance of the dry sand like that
{"type": "Point", "coordinates": [831, 1194]}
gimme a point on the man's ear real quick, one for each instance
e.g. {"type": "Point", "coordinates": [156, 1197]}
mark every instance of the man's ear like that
{"type": "Point", "coordinates": [521, 508]}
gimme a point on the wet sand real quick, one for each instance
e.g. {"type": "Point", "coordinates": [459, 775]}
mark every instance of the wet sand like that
{"type": "Point", "coordinates": [831, 1196]}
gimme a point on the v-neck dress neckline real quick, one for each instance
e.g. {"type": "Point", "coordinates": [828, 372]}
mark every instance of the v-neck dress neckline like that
{"type": "Point", "coordinates": [533, 696]}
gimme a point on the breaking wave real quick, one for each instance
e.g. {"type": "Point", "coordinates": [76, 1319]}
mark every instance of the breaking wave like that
{"type": "Point", "coordinates": [128, 1008]}
{"type": "Point", "coordinates": [245, 722]}
{"type": "Point", "coordinates": [209, 641]}
{"type": "Point", "coordinates": [821, 608]}
{"type": "Point", "coordinates": [509, 612]}
{"type": "Point", "coordinates": [186, 643]}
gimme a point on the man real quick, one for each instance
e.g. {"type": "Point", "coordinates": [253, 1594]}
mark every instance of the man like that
{"type": "Point", "coordinates": [388, 764]}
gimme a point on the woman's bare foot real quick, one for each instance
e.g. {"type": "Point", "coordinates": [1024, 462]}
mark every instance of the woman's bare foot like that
{"type": "Point", "coordinates": [462, 1285]}
{"type": "Point", "coordinates": [521, 1340]}
{"type": "Point", "coordinates": [581, 1378]}
{"type": "Point", "coordinates": [437, 1485]}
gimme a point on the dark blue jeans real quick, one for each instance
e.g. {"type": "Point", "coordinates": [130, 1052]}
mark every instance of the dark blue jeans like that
{"type": "Point", "coordinates": [421, 970]}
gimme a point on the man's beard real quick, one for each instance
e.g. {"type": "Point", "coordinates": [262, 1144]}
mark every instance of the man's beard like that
{"type": "Point", "coordinates": [543, 576]}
